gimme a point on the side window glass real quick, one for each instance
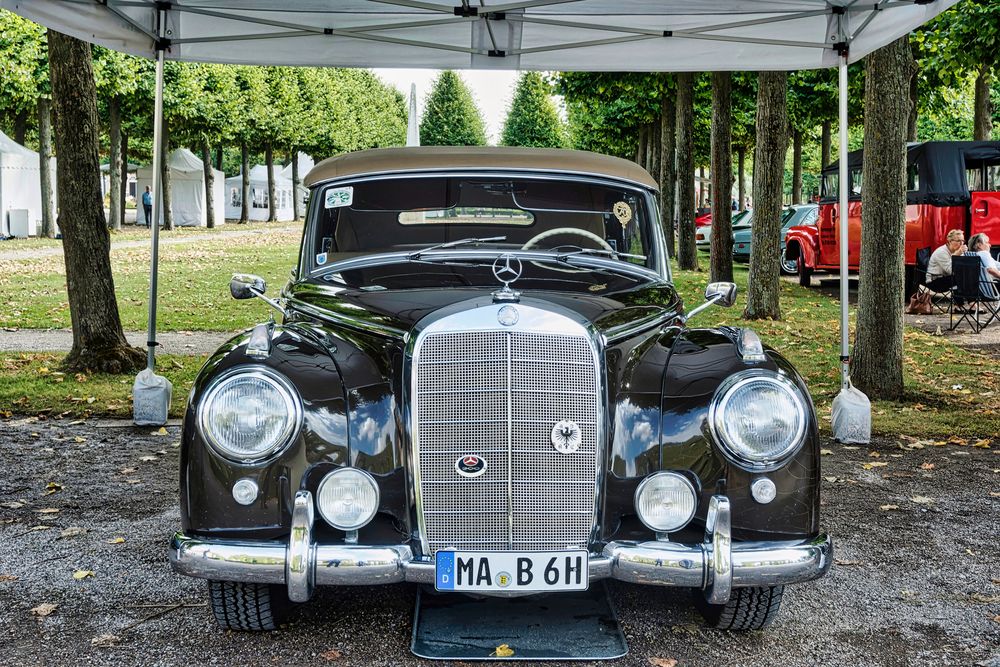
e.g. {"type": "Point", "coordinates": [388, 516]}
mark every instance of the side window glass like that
{"type": "Point", "coordinates": [974, 179]}
{"type": "Point", "coordinates": [856, 178]}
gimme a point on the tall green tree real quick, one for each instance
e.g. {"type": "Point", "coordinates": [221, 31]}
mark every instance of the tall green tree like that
{"type": "Point", "coordinates": [451, 117]}
{"type": "Point", "coordinates": [116, 76]}
{"type": "Point", "coordinates": [98, 341]}
{"type": "Point", "coordinates": [687, 253]}
{"type": "Point", "coordinates": [532, 119]}
{"type": "Point", "coordinates": [722, 178]}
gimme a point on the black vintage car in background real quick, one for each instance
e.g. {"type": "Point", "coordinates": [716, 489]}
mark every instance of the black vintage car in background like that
{"type": "Point", "coordinates": [483, 380]}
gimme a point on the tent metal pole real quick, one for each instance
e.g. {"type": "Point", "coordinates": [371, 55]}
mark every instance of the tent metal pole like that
{"type": "Point", "coordinates": [842, 219]}
{"type": "Point", "coordinates": [154, 221]}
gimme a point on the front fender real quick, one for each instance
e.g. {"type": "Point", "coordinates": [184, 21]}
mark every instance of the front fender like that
{"type": "Point", "coordinates": [803, 240]}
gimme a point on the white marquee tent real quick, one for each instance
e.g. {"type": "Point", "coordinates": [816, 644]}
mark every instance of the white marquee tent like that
{"type": "Point", "coordinates": [187, 191]}
{"type": "Point", "coordinates": [258, 194]}
{"type": "Point", "coordinates": [20, 188]}
{"type": "Point", "coordinates": [587, 35]}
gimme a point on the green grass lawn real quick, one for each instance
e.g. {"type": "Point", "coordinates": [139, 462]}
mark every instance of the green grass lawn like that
{"type": "Point", "coordinates": [950, 391]}
{"type": "Point", "coordinates": [193, 283]}
{"type": "Point", "coordinates": [137, 233]}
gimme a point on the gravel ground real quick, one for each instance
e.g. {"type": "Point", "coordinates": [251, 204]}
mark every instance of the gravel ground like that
{"type": "Point", "coordinates": [61, 340]}
{"type": "Point", "coordinates": [914, 585]}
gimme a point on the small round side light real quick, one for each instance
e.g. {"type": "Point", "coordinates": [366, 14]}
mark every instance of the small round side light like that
{"type": "Point", "coordinates": [245, 491]}
{"type": "Point", "coordinates": [763, 490]}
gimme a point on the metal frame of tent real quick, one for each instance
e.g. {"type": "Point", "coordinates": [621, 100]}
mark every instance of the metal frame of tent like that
{"type": "Point", "coordinates": [838, 39]}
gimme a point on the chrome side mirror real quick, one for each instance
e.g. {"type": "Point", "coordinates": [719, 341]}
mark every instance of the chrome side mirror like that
{"type": "Point", "coordinates": [723, 294]}
{"type": "Point", "coordinates": [247, 286]}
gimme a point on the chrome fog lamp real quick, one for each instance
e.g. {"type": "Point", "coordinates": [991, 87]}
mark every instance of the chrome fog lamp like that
{"type": "Point", "coordinates": [249, 414]}
{"type": "Point", "coordinates": [665, 501]}
{"type": "Point", "coordinates": [347, 498]}
{"type": "Point", "coordinates": [245, 491]}
{"type": "Point", "coordinates": [758, 418]}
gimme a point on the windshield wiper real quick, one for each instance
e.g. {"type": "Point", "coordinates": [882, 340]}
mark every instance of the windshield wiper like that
{"type": "Point", "coordinates": [454, 244]}
{"type": "Point", "coordinates": [598, 251]}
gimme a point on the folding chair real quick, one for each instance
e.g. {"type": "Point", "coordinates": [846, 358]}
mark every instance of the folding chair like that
{"type": "Point", "coordinates": [940, 301]}
{"type": "Point", "coordinates": [974, 287]}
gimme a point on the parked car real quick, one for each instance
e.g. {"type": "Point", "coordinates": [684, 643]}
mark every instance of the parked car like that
{"type": "Point", "coordinates": [950, 185]}
{"type": "Point", "coordinates": [484, 380]}
{"type": "Point", "coordinates": [703, 235]}
{"type": "Point", "coordinates": [703, 217]}
{"type": "Point", "coordinates": [800, 214]}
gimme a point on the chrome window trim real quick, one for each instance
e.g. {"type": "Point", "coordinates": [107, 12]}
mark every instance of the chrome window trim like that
{"type": "Point", "coordinates": [261, 372]}
{"type": "Point", "coordinates": [482, 315]}
{"type": "Point", "coordinates": [714, 415]}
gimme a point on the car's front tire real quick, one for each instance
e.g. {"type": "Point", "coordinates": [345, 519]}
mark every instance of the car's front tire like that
{"type": "Point", "coordinates": [789, 267]}
{"type": "Point", "coordinates": [249, 607]}
{"type": "Point", "coordinates": [805, 273]}
{"type": "Point", "coordinates": [748, 608]}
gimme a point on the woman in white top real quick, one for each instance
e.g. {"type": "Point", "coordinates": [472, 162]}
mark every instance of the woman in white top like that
{"type": "Point", "coordinates": [939, 278]}
{"type": "Point", "coordinates": [980, 244]}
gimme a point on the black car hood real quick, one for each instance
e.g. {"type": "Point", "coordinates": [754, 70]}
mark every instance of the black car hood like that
{"type": "Point", "coordinates": [398, 310]}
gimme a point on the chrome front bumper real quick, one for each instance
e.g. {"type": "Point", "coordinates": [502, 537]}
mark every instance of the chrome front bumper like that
{"type": "Point", "coordinates": [716, 566]}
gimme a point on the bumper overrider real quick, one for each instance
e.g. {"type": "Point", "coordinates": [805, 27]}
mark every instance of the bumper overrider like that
{"type": "Point", "coordinates": [716, 566]}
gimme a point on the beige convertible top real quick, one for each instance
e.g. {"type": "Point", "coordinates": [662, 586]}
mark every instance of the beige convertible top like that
{"type": "Point", "coordinates": [438, 158]}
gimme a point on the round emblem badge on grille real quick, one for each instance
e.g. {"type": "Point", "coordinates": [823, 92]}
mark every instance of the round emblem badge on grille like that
{"type": "Point", "coordinates": [507, 316]}
{"type": "Point", "coordinates": [566, 436]}
{"type": "Point", "coordinates": [470, 465]}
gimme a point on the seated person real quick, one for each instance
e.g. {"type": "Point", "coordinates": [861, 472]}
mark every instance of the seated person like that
{"type": "Point", "coordinates": [939, 278]}
{"type": "Point", "coordinates": [980, 245]}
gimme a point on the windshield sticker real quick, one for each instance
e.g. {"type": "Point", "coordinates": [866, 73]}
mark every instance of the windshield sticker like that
{"type": "Point", "coordinates": [338, 197]}
{"type": "Point", "coordinates": [321, 259]}
{"type": "Point", "coordinates": [623, 212]}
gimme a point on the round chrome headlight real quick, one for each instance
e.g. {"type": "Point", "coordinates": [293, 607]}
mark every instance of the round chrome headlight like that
{"type": "Point", "coordinates": [347, 498]}
{"type": "Point", "coordinates": [665, 501]}
{"type": "Point", "coordinates": [759, 419]}
{"type": "Point", "coordinates": [249, 414]}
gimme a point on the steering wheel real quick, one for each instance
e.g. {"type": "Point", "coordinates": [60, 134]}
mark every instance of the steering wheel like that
{"type": "Point", "coordinates": [532, 242]}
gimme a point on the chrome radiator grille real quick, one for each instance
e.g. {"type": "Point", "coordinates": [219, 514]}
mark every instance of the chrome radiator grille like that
{"type": "Point", "coordinates": [497, 395]}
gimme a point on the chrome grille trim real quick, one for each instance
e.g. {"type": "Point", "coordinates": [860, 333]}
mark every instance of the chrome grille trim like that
{"type": "Point", "coordinates": [550, 499]}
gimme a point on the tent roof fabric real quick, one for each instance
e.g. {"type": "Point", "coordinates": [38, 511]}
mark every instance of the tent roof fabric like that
{"type": "Point", "coordinates": [433, 158]}
{"type": "Point", "coordinates": [10, 147]}
{"type": "Point", "coordinates": [590, 35]}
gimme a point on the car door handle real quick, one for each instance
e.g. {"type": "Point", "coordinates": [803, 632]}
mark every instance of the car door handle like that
{"type": "Point", "coordinates": [982, 211]}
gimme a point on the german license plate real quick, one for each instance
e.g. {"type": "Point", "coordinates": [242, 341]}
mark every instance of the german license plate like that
{"type": "Point", "coordinates": [511, 571]}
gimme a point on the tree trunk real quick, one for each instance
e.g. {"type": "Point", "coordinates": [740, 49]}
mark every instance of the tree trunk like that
{"type": "Point", "coordinates": [115, 163]}
{"type": "Point", "coordinates": [21, 127]}
{"type": "Point", "coordinates": [824, 141]}
{"type": "Point", "coordinates": [206, 161]}
{"type": "Point", "coordinates": [296, 213]}
{"type": "Point", "coordinates": [125, 172]}
{"type": "Point", "coordinates": [218, 157]}
{"type": "Point", "coordinates": [741, 189]}
{"type": "Point", "coordinates": [245, 171]}
{"type": "Point", "coordinates": [668, 170]}
{"type": "Point", "coordinates": [45, 166]}
{"type": "Point", "coordinates": [168, 217]}
{"type": "Point", "coordinates": [98, 341]}
{"type": "Point", "coordinates": [650, 148]}
{"type": "Point", "coordinates": [272, 203]}
{"type": "Point", "coordinates": [982, 123]}
{"type": "Point", "coordinates": [763, 288]}
{"type": "Point", "coordinates": [687, 254]}
{"type": "Point", "coordinates": [722, 178]}
{"type": "Point", "coordinates": [640, 151]}
{"type": "Point", "coordinates": [654, 147]}
{"type": "Point", "coordinates": [911, 122]}
{"type": "Point", "coordinates": [877, 364]}
{"type": "Point", "coordinates": [796, 166]}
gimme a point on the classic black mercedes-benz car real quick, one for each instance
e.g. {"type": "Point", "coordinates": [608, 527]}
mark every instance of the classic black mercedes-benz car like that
{"type": "Point", "coordinates": [483, 380]}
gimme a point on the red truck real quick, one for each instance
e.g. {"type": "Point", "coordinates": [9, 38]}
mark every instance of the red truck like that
{"type": "Point", "coordinates": [950, 185]}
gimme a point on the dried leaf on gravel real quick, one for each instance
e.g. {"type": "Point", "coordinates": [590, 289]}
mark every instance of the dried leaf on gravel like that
{"type": "Point", "coordinates": [830, 479]}
{"type": "Point", "coordinates": [825, 452]}
{"type": "Point", "coordinates": [927, 466]}
{"type": "Point", "coordinates": [662, 662]}
{"type": "Point", "coordinates": [73, 531]}
{"type": "Point", "coordinates": [331, 655]}
{"type": "Point", "coordinates": [116, 540]}
{"type": "Point", "coordinates": [7, 577]}
{"type": "Point", "coordinates": [922, 500]}
{"type": "Point", "coordinates": [105, 641]}
{"type": "Point", "coordinates": [982, 444]}
{"type": "Point", "coordinates": [888, 508]}
{"type": "Point", "coordinates": [127, 471]}
{"type": "Point", "coordinates": [874, 464]}
{"type": "Point", "coordinates": [148, 457]}
{"type": "Point", "coordinates": [44, 609]}
{"type": "Point", "coordinates": [984, 599]}
{"type": "Point", "coordinates": [12, 505]}
{"type": "Point", "coordinates": [161, 431]}
{"type": "Point", "coordinates": [133, 481]}
{"type": "Point", "coordinates": [503, 651]}
{"type": "Point", "coordinates": [846, 562]}
{"type": "Point", "coordinates": [40, 527]}
{"type": "Point", "coordinates": [53, 487]}
{"type": "Point", "coordinates": [83, 574]}
{"type": "Point", "coordinates": [79, 439]}
{"type": "Point", "coordinates": [48, 510]}
{"type": "Point", "coordinates": [996, 619]}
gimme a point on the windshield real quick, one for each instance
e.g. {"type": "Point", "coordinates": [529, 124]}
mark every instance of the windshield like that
{"type": "Point", "coordinates": [412, 213]}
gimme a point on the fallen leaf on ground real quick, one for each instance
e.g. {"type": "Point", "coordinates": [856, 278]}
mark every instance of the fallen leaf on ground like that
{"type": "Point", "coordinates": [503, 651]}
{"type": "Point", "coordinates": [830, 479]}
{"type": "Point", "coordinates": [116, 540]}
{"type": "Point", "coordinates": [922, 500]}
{"type": "Point", "coordinates": [12, 505]}
{"type": "Point", "coordinates": [822, 452]}
{"type": "Point", "coordinates": [40, 527]}
{"type": "Point", "coordinates": [161, 431]}
{"type": "Point", "coordinates": [982, 444]}
{"type": "Point", "coordinates": [105, 641]}
{"type": "Point", "coordinates": [887, 508]}
{"type": "Point", "coordinates": [148, 458]}
{"type": "Point", "coordinates": [995, 494]}
{"type": "Point", "coordinates": [48, 510]}
{"type": "Point", "coordinates": [996, 619]}
{"type": "Point", "coordinates": [874, 455]}
{"type": "Point", "coordinates": [44, 609]}
{"type": "Point", "coordinates": [83, 574]}
{"type": "Point", "coordinates": [927, 466]}
{"type": "Point", "coordinates": [984, 599]}
{"type": "Point", "coordinates": [874, 464]}
{"type": "Point", "coordinates": [7, 577]}
{"type": "Point", "coordinates": [79, 439]}
{"type": "Point", "coordinates": [127, 471]}
{"type": "Point", "coordinates": [73, 531]}
{"type": "Point", "coordinates": [662, 662]}
{"type": "Point", "coordinates": [133, 481]}
{"type": "Point", "coordinates": [52, 487]}
{"type": "Point", "coordinates": [847, 562]}
{"type": "Point", "coordinates": [331, 655]}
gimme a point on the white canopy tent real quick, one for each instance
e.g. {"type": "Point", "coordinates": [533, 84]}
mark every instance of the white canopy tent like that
{"type": "Point", "coordinates": [581, 35]}
{"type": "Point", "coordinates": [20, 189]}
{"type": "Point", "coordinates": [188, 202]}
{"type": "Point", "coordinates": [258, 209]}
